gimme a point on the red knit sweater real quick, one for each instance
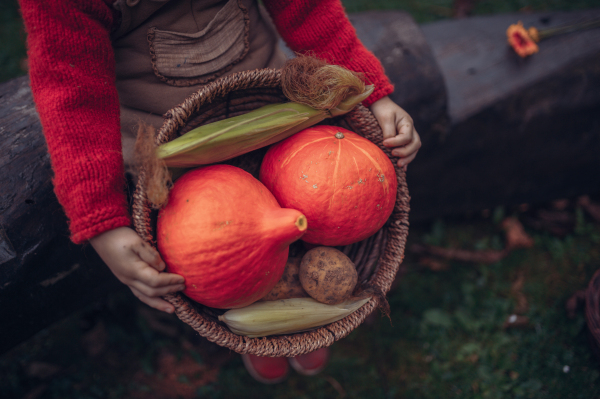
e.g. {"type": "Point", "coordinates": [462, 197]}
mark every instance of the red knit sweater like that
{"type": "Point", "coordinates": [72, 71]}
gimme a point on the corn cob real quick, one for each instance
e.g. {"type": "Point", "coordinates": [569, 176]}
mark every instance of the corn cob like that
{"type": "Point", "coordinates": [286, 316]}
{"type": "Point", "coordinates": [229, 138]}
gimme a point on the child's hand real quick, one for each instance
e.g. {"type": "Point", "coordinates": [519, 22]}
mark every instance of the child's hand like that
{"type": "Point", "coordinates": [138, 265]}
{"type": "Point", "coordinates": [398, 130]}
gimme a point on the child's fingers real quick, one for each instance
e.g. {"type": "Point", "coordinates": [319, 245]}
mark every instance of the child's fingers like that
{"type": "Point", "coordinates": [403, 162]}
{"type": "Point", "coordinates": [398, 141]}
{"type": "Point", "coordinates": [406, 124]}
{"type": "Point", "coordinates": [152, 278]}
{"type": "Point", "coordinates": [388, 126]}
{"type": "Point", "coordinates": [149, 255]}
{"type": "Point", "coordinates": [407, 150]}
{"type": "Point", "coordinates": [156, 303]}
{"type": "Point", "coordinates": [155, 291]}
{"type": "Point", "coordinates": [405, 132]}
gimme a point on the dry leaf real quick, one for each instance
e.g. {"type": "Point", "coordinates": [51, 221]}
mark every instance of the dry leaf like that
{"type": "Point", "coordinates": [463, 255]}
{"type": "Point", "coordinates": [517, 292]}
{"type": "Point", "coordinates": [516, 237]}
{"type": "Point", "coordinates": [433, 264]}
{"type": "Point", "coordinates": [560, 204]}
{"type": "Point", "coordinates": [590, 207]}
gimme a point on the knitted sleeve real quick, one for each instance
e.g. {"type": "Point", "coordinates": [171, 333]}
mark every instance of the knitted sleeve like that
{"type": "Point", "coordinates": [72, 76]}
{"type": "Point", "coordinates": [321, 28]}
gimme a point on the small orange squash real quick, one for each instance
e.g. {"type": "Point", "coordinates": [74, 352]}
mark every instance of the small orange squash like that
{"type": "Point", "coordinates": [343, 183]}
{"type": "Point", "coordinates": [226, 234]}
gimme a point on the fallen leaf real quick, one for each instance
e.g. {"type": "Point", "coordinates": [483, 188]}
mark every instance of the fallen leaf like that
{"type": "Point", "coordinates": [559, 223]}
{"type": "Point", "coordinates": [560, 204]}
{"type": "Point", "coordinates": [433, 264]}
{"type": "Point", "coordinates": [590, 207]}
{"type": "Point", "coordinates": [485, 256]}
{"type": "Point", "coordinates": [516, 237]}
{"type": "Point", "coordinates": [473, 358]}
{"type": "Point", "coordinates": [517, 292]}
{"type": "Point", "coordinates": [336, 385]}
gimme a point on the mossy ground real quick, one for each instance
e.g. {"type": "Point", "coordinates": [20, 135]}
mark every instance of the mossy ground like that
{"type": "Point", "coordinates": [446, 337]}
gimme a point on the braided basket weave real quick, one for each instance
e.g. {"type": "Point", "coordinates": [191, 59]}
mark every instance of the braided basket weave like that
{"type": "Point", "coordinates": [237, 94]}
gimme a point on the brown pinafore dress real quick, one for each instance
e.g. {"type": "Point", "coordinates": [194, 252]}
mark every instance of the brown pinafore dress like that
{"type": "Point", "coordinates": [165, 50]}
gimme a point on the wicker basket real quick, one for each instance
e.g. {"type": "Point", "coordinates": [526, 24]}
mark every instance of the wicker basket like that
{"type": "Point", "coordinates": [237, 94]}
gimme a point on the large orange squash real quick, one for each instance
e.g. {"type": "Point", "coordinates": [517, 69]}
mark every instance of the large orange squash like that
{"type": "Point", "coordinates": [226, 234]}
{"type": "Point", "coordinates": [344, 184]}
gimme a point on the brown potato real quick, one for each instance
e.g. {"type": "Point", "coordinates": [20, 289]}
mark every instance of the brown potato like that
{"type": "Point", "coordinates": [328, 275]}
{"type": "Point", "coordinates": [288, 285]}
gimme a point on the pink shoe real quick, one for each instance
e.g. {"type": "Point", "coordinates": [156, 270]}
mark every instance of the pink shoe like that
{"type": "Point", "coordinates": [268, 370]}
{"type": "Point", "coordinates": [311, 363]}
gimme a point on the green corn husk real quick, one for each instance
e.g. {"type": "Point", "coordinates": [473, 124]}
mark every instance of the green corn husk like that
{"type": "Point", "coordinates": [232, 137]}
{"type": "Point", "coordinates": [286, 316]}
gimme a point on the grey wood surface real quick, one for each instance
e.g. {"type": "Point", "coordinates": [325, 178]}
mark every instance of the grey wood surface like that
{"type": "Point", "coordinates": [522, 130]}
{"type": "Point", "coordinates": [479, 67]}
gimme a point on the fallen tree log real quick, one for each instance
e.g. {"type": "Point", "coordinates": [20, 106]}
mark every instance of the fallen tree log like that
{"type": "Point", "coordinates": [522, 130]}
{"type": "Point", "coordinates": [43, 276]}
{"type": "Point", "coordinates": [410, 64]}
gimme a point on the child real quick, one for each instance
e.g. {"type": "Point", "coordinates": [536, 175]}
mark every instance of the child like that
{"type": "Point", "coordinates": [98, 67]}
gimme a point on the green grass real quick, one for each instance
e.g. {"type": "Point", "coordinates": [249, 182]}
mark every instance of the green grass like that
{"type": "Point", "coordinates": [12, 37]}
{"type": "Point", "coordinates": [445, 337]}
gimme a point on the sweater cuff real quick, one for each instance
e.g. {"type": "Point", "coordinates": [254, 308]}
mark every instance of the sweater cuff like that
{"type": "Point", "coordinates": [379, 92]}
{"type": "Point", "coordinates": [98, 222]}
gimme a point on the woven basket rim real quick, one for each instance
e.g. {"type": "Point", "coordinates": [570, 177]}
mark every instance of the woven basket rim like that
{"type": "Point", "coordinates": [592, 307]}
{"type": "Point", "coordinates": [298, 343]}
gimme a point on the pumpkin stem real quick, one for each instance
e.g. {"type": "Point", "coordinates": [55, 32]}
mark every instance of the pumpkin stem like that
{"type": "Point", "coordinates": [301, 223]}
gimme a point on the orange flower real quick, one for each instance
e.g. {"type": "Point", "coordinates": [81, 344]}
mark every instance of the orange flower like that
{"type": "Point", "coordinates": [522, 41]}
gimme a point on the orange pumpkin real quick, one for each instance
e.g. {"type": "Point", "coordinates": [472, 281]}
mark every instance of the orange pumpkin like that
{"type": "Point", "coordinates": [226, 234]}
{"type": "Point", "coordinates": [343, 183]}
